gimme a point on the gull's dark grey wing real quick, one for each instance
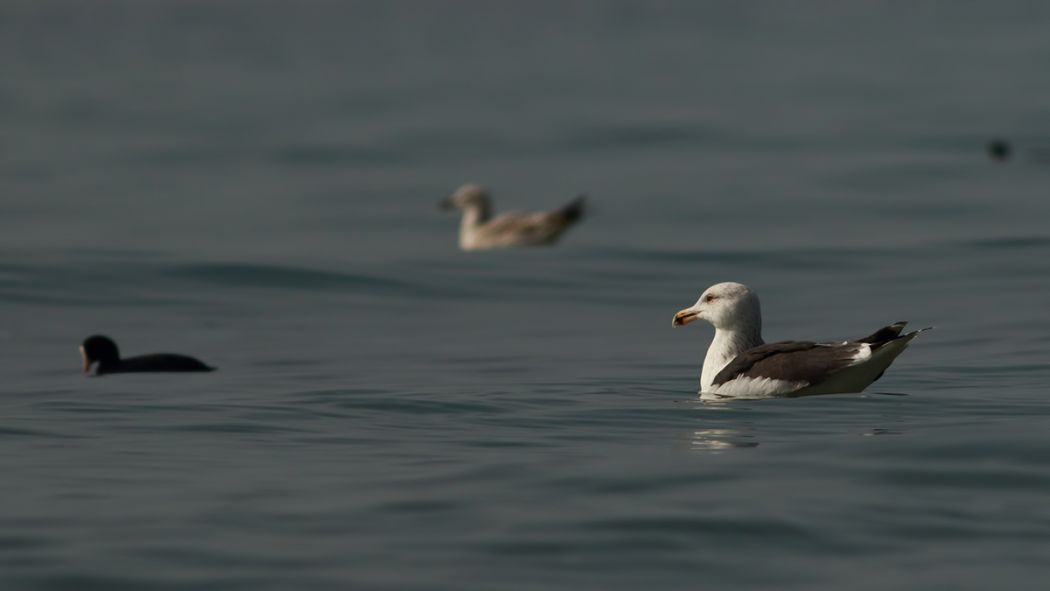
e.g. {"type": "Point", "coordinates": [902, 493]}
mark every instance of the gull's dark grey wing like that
{"type": "Point", "coordinates": [801, 362]}
{"type": "Point", "coordinates": [884, 334]}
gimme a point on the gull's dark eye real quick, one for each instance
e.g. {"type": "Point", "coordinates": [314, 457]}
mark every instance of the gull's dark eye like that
{"type": "Point", "coordinates": [708, 298]}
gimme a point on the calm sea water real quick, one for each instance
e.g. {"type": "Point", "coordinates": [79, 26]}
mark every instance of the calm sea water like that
{"type": "Point", "coordinates": [255, 183]}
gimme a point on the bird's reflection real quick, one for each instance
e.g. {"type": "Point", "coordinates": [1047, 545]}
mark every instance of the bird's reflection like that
{"type": "Point", "coordinates": [720, 440]}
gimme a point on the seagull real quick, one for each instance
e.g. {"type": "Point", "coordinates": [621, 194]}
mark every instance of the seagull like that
{"type": "Point", "coordinates": [740, 365]}
{"type": "Point", "coordinates": [480, 231]}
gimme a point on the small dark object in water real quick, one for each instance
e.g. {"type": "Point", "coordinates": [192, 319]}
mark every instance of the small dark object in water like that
{"type": "Point", "coordinates": [102, 350]}
{"type": "Point", "coordinates": [999, 150]}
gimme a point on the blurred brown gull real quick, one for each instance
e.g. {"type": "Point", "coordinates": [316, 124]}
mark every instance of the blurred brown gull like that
{"type": "Point", "coordinates": [478, 230]}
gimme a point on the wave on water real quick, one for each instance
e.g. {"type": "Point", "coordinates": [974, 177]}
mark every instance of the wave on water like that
{"type": "Point", "coordinates": [281, 277]}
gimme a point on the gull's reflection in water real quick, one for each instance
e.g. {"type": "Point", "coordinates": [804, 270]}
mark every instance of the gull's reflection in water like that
{"type": "Point", "coordinates": [720, 440]}
{"type": "Point", "coordinates": [716, 440]}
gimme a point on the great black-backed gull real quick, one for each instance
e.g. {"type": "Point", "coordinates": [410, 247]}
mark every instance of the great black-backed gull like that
{"type": "Point", "coordinates": [478, 230]}
{"type": "Point", "coordinates": [740, 365]}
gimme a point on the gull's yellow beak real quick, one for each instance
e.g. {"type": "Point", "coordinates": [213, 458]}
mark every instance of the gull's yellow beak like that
{"type": "Point", "coordinates": [684, 317]}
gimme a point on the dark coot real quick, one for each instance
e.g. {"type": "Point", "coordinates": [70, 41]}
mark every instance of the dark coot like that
{"type": "Point", "coordinates": [999, 150]}
{"type": "Point", "coordinates": [103, 351]}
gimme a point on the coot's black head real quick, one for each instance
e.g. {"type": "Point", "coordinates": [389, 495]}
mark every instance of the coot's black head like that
{"type": "Point", "coordinates": [999, 149]}
{"type": "Point", "coordinates": [99, 349]}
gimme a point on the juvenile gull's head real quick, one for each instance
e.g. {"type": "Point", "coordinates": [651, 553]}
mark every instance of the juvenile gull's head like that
{"type": "Point", "coordinates": [467, 196]}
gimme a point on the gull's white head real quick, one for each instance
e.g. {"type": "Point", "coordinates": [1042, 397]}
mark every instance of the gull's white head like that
{"type": "Point", "coordinates": [469, 195]}
{"type": "Point", "coordinates": [727, 306]}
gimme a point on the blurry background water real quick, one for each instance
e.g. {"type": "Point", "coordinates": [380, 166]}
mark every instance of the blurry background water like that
{"type": "Point", "coordinates": [254, 183]}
